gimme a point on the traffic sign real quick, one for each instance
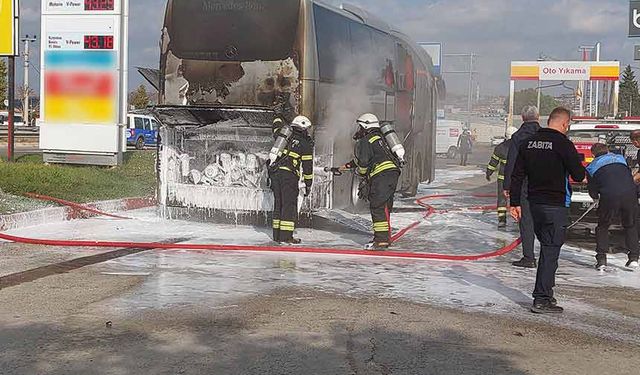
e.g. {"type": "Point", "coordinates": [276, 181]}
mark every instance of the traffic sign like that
{"type": "Point", "coordinates": [634, 18]}
{"type": "Point", "coordinates": [434, 50]}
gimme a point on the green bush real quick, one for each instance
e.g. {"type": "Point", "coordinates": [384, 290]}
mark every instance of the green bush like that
{"type": "Point", "coordinates": [135, 178]}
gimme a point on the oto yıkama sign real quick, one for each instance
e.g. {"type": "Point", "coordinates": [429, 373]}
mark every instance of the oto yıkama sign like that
{"type": "Point", "coordinates": [565, 70]}
{"type": "Point", "coordinates": [560, 71]}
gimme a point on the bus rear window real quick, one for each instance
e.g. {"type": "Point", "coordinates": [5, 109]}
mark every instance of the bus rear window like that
{"type": "Point", "coordinates": [232, 30]}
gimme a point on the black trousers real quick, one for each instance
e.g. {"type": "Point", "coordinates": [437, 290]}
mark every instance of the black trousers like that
{"type": "Point", "coordinates": [626, 208]}
{"type": "Point", "coordinates": [285, 209]}
{"type": "Point", "coordinates": [464, 157]}
{"type": "Point", "coordinates": [502, 201]}
{"type": "Point", "coordinates": [527, 233]}
{"type": "Point", "coordinates": [383, 188]}
{"type": "Point", "coordinates": [550, 223]}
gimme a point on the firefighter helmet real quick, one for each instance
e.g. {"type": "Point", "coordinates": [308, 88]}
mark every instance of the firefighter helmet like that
{"type": "Point", "coordinates": [368, 121]}
{"type": "Point", "coordinates": [301, 122]}
{"type": "Point", "coordinates": [511, 131]}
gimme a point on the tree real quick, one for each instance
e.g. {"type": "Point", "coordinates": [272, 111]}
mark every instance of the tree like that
{"type": "Point", "coordinates": [629, 95]}
{"type": "Point", "coordinates": [140, 98]}
{"type": "Point", "coordinates": [3, 82]}
{"type": "Point", "coordinates": [530, 97]}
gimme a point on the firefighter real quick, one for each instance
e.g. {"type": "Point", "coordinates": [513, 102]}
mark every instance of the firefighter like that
{"type": "Point", "coordinates": [498, 163]}
{"type": "Point", "coordinates": [292, 150]}
{"type": "Point", "coordinates": [465, 145]}
{"type": "Point", "coordinates": [378, 156]}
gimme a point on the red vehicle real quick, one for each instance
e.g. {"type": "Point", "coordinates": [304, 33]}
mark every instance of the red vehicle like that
{"type": "Point", "coordinates": [584, 133]}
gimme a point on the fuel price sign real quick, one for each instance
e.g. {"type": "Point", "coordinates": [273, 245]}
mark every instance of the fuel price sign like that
{"type": "Point", "coordinates": [83, 87]}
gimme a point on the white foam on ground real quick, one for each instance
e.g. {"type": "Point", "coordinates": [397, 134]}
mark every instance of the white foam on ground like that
{"type": "Point", "coordinates": [215, 279]}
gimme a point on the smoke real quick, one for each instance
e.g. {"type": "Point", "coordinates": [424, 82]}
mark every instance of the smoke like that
{"type": "Point", "coordinates": [357, 89]}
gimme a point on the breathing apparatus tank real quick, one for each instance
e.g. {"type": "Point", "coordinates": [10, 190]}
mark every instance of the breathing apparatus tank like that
{"type": "Point", "coordinates": [282, 139]}
{"type": "Point", "coordinates": [392, 139]}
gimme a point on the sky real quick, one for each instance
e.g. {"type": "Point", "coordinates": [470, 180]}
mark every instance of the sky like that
{"type": "Point", "coordinates": [499, 31]}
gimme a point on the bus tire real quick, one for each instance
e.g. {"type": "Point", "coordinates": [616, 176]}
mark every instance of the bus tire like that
{"type": "Point", "coordinates": [452, 153]}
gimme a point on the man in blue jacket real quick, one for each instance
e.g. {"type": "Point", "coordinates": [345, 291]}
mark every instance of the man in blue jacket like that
{"type": "Point", "coordinates": [610, 180]}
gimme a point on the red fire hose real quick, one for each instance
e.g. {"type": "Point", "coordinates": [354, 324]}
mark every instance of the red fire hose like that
{"type": "Point", "coordinates": [75, 206]}
{"type": "Point", "coordinates": [272, 249]}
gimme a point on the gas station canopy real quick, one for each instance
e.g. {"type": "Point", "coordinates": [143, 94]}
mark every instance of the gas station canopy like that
{"type": "Point", "coordinates": [565, 70]}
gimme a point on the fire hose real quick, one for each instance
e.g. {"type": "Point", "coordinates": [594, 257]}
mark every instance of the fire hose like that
{"type": "Point", "coordinates": [429, 211]}
{"type": "Point", "coordinates": [75, 206]}
{"type": "Point", "coordinates": [587, 212]}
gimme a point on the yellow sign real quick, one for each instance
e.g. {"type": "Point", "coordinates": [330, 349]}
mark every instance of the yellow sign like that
{"type": "Point", "coordinates": [8, 27]}
{"type": "Point", "coordinates": [565, 70]}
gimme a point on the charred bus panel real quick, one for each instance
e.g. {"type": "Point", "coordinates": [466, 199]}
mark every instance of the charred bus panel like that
{"type": "Point", "coordinates": [298, 56]}
{"type": "Point", "coordinates": [230, 53]}
{"type": "Point", "coordinates": [213, 160]}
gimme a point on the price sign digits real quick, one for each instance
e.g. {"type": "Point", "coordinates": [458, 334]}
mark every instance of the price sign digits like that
{"type": "Point", "coordinates": [98, 42]}
{"type": "Point", "coordinates": [98, 5]}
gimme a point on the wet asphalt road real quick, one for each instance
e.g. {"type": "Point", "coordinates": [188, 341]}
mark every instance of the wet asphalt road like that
{"type": "Point", "coordinates": [127, 311]}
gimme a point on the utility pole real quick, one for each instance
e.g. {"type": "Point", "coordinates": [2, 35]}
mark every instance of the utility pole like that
{"type": "Point", "coordinates": [587, 52]}
{"type": "Point", "coordinates": [25, 91]}
{"type": "Point", "coordinates": [470, 102]}
{"type": "Point", "coordinates": [11, 98]}
{"type": "Point", "coordinates": [597, 112]}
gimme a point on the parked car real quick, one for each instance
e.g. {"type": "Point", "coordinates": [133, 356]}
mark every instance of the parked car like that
{"type": "Point", "coordinates": [143, 130]}
{"type": "Point", "coordinates": [17, 119]}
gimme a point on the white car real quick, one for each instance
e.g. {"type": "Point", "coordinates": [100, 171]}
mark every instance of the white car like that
{"type": "Point", "coordinates": [17, 119]}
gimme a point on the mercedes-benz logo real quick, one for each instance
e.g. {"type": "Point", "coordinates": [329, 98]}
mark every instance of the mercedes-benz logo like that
{"type": "Point", "coordinates": [231, 52]}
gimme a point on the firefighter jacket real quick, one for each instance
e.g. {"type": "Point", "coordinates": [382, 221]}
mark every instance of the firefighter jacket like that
{"type": "Point", "coordinates": [372, 155]}
{"type": "Point", "coordinates": [498, 161]}
{"type": "Point", "coordinates": [298, 154]}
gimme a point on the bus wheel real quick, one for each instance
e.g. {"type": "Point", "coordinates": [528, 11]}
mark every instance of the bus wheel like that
{"type": "Point", "coordinates": [452, 153]}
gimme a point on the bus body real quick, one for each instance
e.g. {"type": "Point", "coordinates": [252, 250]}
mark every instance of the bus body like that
{"type": "Point", "coordinates": [304, 57]}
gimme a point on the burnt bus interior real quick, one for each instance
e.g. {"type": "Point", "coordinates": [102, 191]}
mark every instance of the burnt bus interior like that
{"type": "Point", "coordinates": [290, 57]}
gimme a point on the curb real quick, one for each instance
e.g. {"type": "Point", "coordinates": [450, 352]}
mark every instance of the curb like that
{"type": "Point", "coordinates": [60, 214]}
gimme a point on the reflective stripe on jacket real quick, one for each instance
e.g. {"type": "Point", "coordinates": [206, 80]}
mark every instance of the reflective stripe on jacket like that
{"type": "Point", "coordinates": [372, 155]}
{"type": "Point", "coordinates": [498, 161]}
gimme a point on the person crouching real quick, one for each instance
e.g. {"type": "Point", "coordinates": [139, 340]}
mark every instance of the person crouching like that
{"type": "Point", "coordinates": [611, 181]}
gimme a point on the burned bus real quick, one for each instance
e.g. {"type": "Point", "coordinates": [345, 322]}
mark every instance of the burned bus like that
{"type": "Point", "coordinates": [227, 67]}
